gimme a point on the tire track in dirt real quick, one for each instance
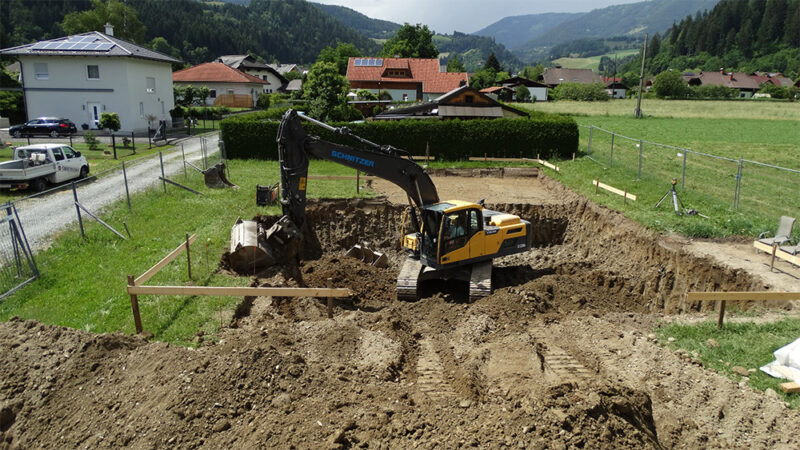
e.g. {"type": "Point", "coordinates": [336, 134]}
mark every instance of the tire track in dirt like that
{"type": "Point", "coordinates": [558, 362]}
{"type": "Point", "coordinates": [430, 372]}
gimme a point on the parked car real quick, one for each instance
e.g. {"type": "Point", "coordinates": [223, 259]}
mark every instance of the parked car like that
{"type": "Point", "coordinates": [39, 165]}
{"type": "Point", "coordinates": [51, 126]}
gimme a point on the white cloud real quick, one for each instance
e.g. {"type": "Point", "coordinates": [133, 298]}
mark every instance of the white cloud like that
{"type": "Point", "coordinates": [467, 16]}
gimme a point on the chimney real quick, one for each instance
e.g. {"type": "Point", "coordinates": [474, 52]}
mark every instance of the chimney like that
{"type": "Point", "coordinates": [730, 76]}
{"type": "Point", "coordinates": [109, 29]}
{"type": "Point", "coordinates": [722, 70]}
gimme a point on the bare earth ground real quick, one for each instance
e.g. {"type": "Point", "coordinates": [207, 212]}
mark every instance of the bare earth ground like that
{"type": "Point", "coordinates": [557, 357]}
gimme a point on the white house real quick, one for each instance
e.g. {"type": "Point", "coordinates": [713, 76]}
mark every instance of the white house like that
{"type": "Point", "coordinates": [82, 76]}
{"type": "Point", "coordinates": [228, 86]}
{"type": "Point", "coordinates": [538, 91]}
{"type": "Point", "coordinates": [249, 65]}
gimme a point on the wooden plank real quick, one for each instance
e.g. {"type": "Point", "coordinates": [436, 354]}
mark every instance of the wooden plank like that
{"type": "Point", "coordinates": [160, 265]}
{"type": "Point", "coordinates": [780, 254]}
{"type": "Point", "coordinates": [614, 190]}
{"type": "Point", "coordinates": [763, 296]}
{"type": "Point", "coordinates": [481, 158]}
{"type": "Point", "coordinates": [218, 291]}
{"type": "Point", "coordinates": [790, 388]}
{"type": "Point", "coordinates": [423, 158]}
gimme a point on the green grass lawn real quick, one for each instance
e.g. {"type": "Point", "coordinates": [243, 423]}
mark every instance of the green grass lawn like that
{"type": "Point", "coordinates": [83, 281]}
{"type": "Point", "coordinates": [747, 345]}
{"type": "Point", "coordinates": [592, 62]}
{"type": "Point", "coordinates": [709, 184]}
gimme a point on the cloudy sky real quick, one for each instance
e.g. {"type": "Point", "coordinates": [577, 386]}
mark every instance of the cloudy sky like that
{"type": "Point", "coordinates": [467, 16]}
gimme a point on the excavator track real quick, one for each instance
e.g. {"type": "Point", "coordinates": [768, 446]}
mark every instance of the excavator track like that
{"type": "Point", "coordinates": [480, 280]}
{"type": "Point", "coordinates": [408, 278]}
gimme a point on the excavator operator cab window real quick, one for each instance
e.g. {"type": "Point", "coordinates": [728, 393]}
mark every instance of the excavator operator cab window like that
{"type": "Point", "coordinates": [455, 231]}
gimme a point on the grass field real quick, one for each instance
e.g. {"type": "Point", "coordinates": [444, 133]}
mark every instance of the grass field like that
{"type": "Point", "coordinates": [709, 184]}
{"type": "Point", "coordinates": [83, 281]}
{"type": "Point", "coordinates": [679, 109]}
{"type": "Point", "coordinates": [592, 62]}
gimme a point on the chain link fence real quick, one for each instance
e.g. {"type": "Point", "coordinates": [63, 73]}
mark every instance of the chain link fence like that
{"type": "Point", "coordinates": [744, 185]}
{"type": "Point", "coordinates": [45, 215]}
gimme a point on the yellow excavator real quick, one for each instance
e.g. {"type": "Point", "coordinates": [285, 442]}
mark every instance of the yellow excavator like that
{"type": "Point", "coordinates": [444, 240]}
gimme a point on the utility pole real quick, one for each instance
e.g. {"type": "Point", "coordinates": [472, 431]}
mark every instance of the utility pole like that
{"type": "Point", "coordinates": [638, 111]}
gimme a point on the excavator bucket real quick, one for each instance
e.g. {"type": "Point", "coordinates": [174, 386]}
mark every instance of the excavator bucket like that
{"type": "Point", "coordinates": [266, 195]}
{"type": "Point", "coordinates": [249, 252]}
{"type": "Point", "coordinates": [369, 256]}
{"type": "Point", "coordinates": [215, 176]}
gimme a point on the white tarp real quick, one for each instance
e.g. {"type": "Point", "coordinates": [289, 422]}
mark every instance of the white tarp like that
{"type": "Point", "coordinates": [786, 364]}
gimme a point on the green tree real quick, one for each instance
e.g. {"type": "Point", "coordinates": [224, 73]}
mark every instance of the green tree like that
{"type": "Point", "coordinates": [366, 94]}
{"type": "Point", "coordinates": [455, 65]}
{"type": "Point", "coordinates": [492, 63]}
{"type": "Point", "coordinates": [500, 76]}
{"type": "Point", "coordinates": [522, 94]}
{"type": "Point", "coordinates": [670, 84]}
{"type": "Point", "coordinates": [532, 72]}
{"type": "Point", "coordinates": [339, 55]}
{"type": "Point", "coordinates": [109, 121]}
{"type": "Point", "coordinates": [325, 89]}
{"type": "Point", "coordinates": [293, 75]}
{"type": "Point", "coordinates": [483, 79]}
{"type": "Point", "coordinates": [124, 18]}
{"type": "Point", "coordinates": [411, 41]}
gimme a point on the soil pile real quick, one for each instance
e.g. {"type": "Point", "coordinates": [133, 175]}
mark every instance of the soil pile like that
{"type": "Point", "coordinates": [557, 356]}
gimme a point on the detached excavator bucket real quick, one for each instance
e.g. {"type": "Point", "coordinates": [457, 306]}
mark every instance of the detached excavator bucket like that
{"type": "Point", "coordinates": [249, 253]}
{"type": "Point", "coordinates": [215, 176]}
{"type": "Point", "coordinates": [369, 256]}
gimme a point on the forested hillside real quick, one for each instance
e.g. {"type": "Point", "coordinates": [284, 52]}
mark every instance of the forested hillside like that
{"type": "Point", "coordinates": [374, 28]}
{"type": "Point", "coordinates": [737, 35]}
{"type": "Point", "coordinates": [474, 50]}
{"type": "Point", "coordinates": [284, 30]}
{"type": "Point", "coordinates": [634, 19]}
{"type": "Point", "coordinates": [514, 31]}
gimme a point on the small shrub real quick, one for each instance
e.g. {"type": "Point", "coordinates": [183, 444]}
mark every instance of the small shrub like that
{"type": "Point", "coordinates": [109, 121]}
{"type": "Point", "coordinates": [90, 140]}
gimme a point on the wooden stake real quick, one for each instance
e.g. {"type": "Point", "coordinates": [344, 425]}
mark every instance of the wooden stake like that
{"type": "Point", "coordinates": [358, 180]}
{"type": "Point", "coordinates": [573, 156]}
{"type": "Point", "coordinates": [427, 151]}
{"type": "Point", "coordinates": [597, 186]}
{"type": "Point", "coordinates": [484, 158]}
{"type": "Point", "coordinates": [330, 300]}
{"type": "Point", "coordinates": [625, 197]}
{"type": "Point", "coordinates": [772, 261]}
{"type": "Point", "coordinates": [721, 313]}
{"type": "Point", "coordinates": [137, 320]}
{"type": "Point", "coordinates": [188, 257]}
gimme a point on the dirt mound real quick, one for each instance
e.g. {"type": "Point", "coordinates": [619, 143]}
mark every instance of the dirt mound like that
{"type": "Point", "coordinates": [555, 357]}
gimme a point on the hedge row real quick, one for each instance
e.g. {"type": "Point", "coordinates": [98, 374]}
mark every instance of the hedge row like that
{"type": "Point", "coordinates": [547, 135]}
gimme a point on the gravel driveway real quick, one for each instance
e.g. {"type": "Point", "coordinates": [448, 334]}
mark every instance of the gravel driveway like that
{"type": "Point", "coordinates": [43, 216]}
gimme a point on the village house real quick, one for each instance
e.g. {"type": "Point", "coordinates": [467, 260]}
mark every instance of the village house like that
{"type": "Point", "coordinates": [404, 79]}
{"type": "Point", "coordinates": [537, 90]}
{"type": "Point", "coordinates": [276, 82]}
{"type": "Point", "coordinates": [228, 86]}
{"type": "Point", "coordinates": [739, 81]}
{"type": "Point", "coordinates": [464, 102]}
{"type": "Point", "coordinates": [553, 76]}
{"type": "Point", "coordinates": [79, 77]}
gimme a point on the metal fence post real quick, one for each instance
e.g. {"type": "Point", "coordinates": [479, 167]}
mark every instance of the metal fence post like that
{"type": "Point", "coordinates": [133, 142]}
{"type": "Point", "coordinates": [641, 147]}
{"type": "Point", "coordinates": [114, 145]}
{"type": "Point", "coordinates": [77, 208]}
{"type": "Point", "coordinates": [127, 192]}
{"type": "Point", "coordinates": [738, 192]}
{"type": "Point", "coordinates": [683, 173]}
{"type": "Point", "coordinates": [589, 149]}
{"type": "Point", "coordinates": [611, 158]}
{"type": "Point", "coordinates": [161, 160]}
{"type": "Point", "coordinates": [70, 140]}
{"type": "Point", "coordinates": [183, 156]}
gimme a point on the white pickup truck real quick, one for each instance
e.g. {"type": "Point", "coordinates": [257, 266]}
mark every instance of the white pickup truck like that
{"type": "Point", "coordinates": [42, 164]}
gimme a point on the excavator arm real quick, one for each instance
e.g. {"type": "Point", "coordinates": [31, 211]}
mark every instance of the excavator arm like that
{"type": "Point", "coordinates": [386, 162]}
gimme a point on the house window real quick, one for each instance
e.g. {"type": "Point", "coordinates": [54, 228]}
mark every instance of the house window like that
{"type": "Point", "coordinates": [405, 97]}
{"type": "Point", "coordinates": [469, 99]}
{"type": "Point", "coordinates": [265, 77]}
{"type": "Point", "coordinates": [151, 85]}
{"type": "Point", "coordinates": [230, 91]}
{"type": "Point", "coordinates": [141, 109]}
{"type": "Point", "coordinates": [213, 93]}
{"type": "Point", "coordinates": [93, 72]}
{"type": "Point", "coordinates": [40, 70]}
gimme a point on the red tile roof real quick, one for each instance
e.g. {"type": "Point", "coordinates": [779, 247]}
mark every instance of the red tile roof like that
{"type": "Point", "coordinates": [215, 72]}
{"type": "Point", "coordinates": [425, 71]}
{"type": "Point", "coordinates": [734, 80]}
{"type": "Point", "coordinates": [489, 90]}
